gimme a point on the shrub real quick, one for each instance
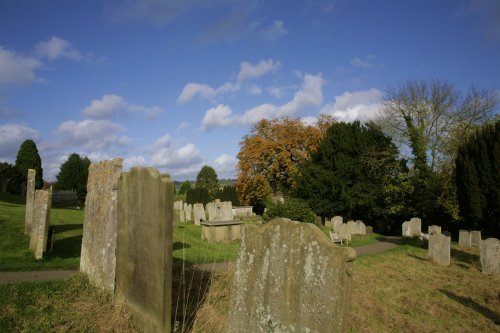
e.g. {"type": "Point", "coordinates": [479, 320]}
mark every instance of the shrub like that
{"type": "Point", "coordinates": [294, 209]}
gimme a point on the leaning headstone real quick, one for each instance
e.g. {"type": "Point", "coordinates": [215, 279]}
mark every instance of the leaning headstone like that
{"type": "Point", "coordinates": [490, 256]}
{"type": "Point", "coordinates": [98, 259]}
{"type": "Point", "coordinates": [464, 238]}
{"type": "Point", "coordinates": [344, 232]}
{"type": "Point", "coordinates": [199, 213]}
{"type": "Point", "coordinates": [434, 229]}
{"type": "Point", "coordinates": [439, 248]}
{"type": "Point", "coordinates": [144, 247]}
{"type": "Point", "coordinates": [475, 238]}
{"type": "Point", "coordinates": [290, 278]}
{"type": "Point", "coordinates": [415, 227]}
{"type": "Point", "coordinates": [30, 201]}
{"type": "Point", "coordinates": [41, 220]}
{"type": "Point", "coordinates": [336, 221]}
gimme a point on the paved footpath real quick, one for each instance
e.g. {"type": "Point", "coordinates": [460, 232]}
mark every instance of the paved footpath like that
{"type": "Point", "coordinates": [389, 242]}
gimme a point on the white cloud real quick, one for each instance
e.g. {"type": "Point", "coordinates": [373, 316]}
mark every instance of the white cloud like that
{"type": "Point", "coordinates": [176, 158]}
{"type": "Point", "coordinates": [92, 134]}
{"type": "Point", "coordinates": [250, 71]}
{"type": "Point", "coordinates": [11, 138]}
{"type": "Point", "coordinates": [363, 62]}
{"type": "Point", "coordinates": [133, 161]}
{"type": "Point", "coordinates": [183, 125]}
{"type": "Point", "coordinates": [309, 94]}
{"type": "Point", "coordinates": [254, 90]}
{"type": "Point", "coordinates": [15, 68]}
{"type": "Point", "coordinates": [275, 31]}
{"type": "Point", "coordinates": [57, 48]}
{"type": "Point", "coordinates": [275, 91]}
{"type": "Point", "coordinates": [310, 121]}
{"type": "Point", "coordinates": [225, 165]}
{"type": "Point", "coordinates": [358, 105]}
{"type": "Point", "coordinates": [192, 90]}
{"type": "Point", "coordinates": [111, 104]}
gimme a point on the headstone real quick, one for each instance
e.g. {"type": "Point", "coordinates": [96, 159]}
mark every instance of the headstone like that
{"type": "Point", "coordinates": [490, 256]}
{"type": "Point", "coordinates": [415, 227]}
{"type": "Point", "coordinates": [199, 213]}
{"type": "Point", "coordinates": [290, 278]}
{"type": "Point", "coordinates": [329, 224]}
{"type": "Point", "coordinates": [369, 230]}
{"type": "Point", "coordinates": [144, 247]}
{"type": "Point", "coordinates": [352, 227]}
{"type": "Point", "coordinates": [188, 210]}
{"type": "Point", "coordinates": [178, 205]}
{"type": "Point", "coordinates": [30, 201]}
{"type": "Point", "coordinates": [220, 211]}
{"type": "Point", "coordinates": [475, 238]}
{"type": "Point", "coordinates": [434, 229]}
{"type": "Point", "coordinates": [406, 229]}
{"type": "Point", "coordinates": [98, 259]}
{"type": "Point", "coordinates": [360, 227]}
{"type": "Point", "coordinates": [439, 248]}
{"type": "Point", "coordinates": [344, 232]}
{"type": "Point", "coordinates": [464, 238]}
{"type": "Point", "coordinates": [336, 221]}
{"type": "Point", "coordinates": [182, 216]}
{"type": "Point", "coordinates": [243, 211]}
{"type": "Point", "coordinates": [41, 220]}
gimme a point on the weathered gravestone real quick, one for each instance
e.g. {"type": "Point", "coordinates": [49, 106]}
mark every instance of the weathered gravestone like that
{"type": "Point", "coordinates": [41, 219]}
{"type": "Point", "coordinates": [144, 247]}
{"type": "Point", "coordinates": [98, 259]}
{"type": "Point", "coordinates": [344, 232]}
{"type": "Point", "coordinates": [178, 205]}
{"type": "Point", "coordinates": [439, 248]}
{"type": "Point", "coordinates": [290, 278]}
{"type": "Point", "coordinates": [369, 230]}
{"type": "Point", "coordinates": [336, 221]}
{"type": "Point", "coordinates": [434, 229]}
{"type": "Point", "coordinates": [464, 238]}
{"type": "Point", "coordinates": [329, 224]}
{"type": "Point", "coordinates": [405, 229]}
{"type": "Point", "coordinates": [199, 213]}
{"type": "Point", "coordinates": [475, 238]}
{"type": "Point", "coordinates": [188, 210]}
{"type": "Point", "coordinates": [220, 211]}
{"type": "Point", "coordinates": [415, 227]}
{"type": "Point", "coordinates": [360, 228]}
{"type": "Point", "coordinates": [30, 201]}
{"type": "Point", "coordinates": [352, 227]}
{"type": "Point", "coordinates": [490, 256]}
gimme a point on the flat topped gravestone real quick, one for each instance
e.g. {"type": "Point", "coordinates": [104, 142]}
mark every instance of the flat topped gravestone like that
{"type": "Point", "coordinates": [475, 238]}
{"type": "Point", "coordinates": [490, 256]}
{"type": "Point", "coordinates": [464, 238]}
{"type": "Point", "coordinates": [144, 247]}
{"type": "Point", "coordinates": [98, 259]}
{"type": "Point", "coordinates": [30, 201]}
{"type": "Point", "coordinates": [290, 278]}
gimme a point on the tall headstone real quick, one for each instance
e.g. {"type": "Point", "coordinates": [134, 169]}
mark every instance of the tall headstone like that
{"type": "Point", "coordinates": [336, 221]}
{"type": "Point", "coordinates": [490, 256]}
{"type": "Point", "coordinates": [199, 213]}
{"type": "Point", "coordinates": [439, 248]}
{"type": "Point", "coordinates": [464, 238]}
{"type": "Point", "coordinates": [144, 247]}
{"type": "Point", "coordinates": [30, 201]}
{"type": "Point", "coordinates": [188, 210]}
{"type": "Point", "coordinates": [98, 258]}
{"type": "Point", "coordinates": [434, 229]}
{"type": "Point", "coordinates": [475, 238]}
{"type": "Point", "coordinates": [415, 227]}
{"type": "Point", "coordinates": [290, 278]}
{"type": "Point", "coordinates": [41, 219]}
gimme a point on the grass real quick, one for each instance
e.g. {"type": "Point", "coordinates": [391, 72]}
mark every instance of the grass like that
{"type": "Point", "coordinates": [14, 245]}
{"type": "Point", "coordinates": [60, 306]}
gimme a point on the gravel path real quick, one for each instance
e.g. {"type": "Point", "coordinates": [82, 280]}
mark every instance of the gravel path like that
{"type": "Point", "coordinates": [389, 242]}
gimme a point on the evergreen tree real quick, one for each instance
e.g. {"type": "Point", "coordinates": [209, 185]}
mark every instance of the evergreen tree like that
{"type": "Point", "coordinates": [228, 193]}
{"type": "Point", "coordinates": [73, 175]}
{"type": "Point", "coordinates": [478, 180]}
{"type": "Point", "coordinates": [185, 186]}
{"type": "Point", "coordinates": [198, 195]}
{"type": "Point", "coordinates": [28, 158]}
{"type": "Point", "coordinates": [207, 178]}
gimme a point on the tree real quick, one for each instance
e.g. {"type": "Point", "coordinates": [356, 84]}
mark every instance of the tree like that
{"type": "Point", "coordinates": [198, 195]}
{"type": "Point", "coordinates": [228, 193]}
{"type": "Point", "coordinates": [207, 178]}
{"type": "Point", "coordinates": [28, 158]}
{"type": "Point", "coordinates": [350, 173]}
{"type": "Point", "coordinates": [273, 150]}
{"type": "Point", "coordinates": [73, 175]}
{"type": "Point", "coordinates": [9, 177]}
{"type": "Point", "coordinates": [294, 209]}
{"type": "Point", "coordinates": [185, 186]}
{"type": "Point", "coordinates": [478, 180]}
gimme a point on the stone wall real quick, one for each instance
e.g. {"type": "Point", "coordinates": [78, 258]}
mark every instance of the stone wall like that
{"type": "Point", "coordinates": [30, 201]}
{"type": "Point", "coordinates": [40, 223]}
{"type": "Point", "coordinates": [98, 259]}
{"type": "Point", "coordinates": [290, 278]}
{"type": "Point", "coordinates": [144, 247]}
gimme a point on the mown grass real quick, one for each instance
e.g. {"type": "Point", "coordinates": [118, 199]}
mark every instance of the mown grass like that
{"type": "Point", "coordinates": [60, 306]}
{"type": "Point", "coordinates": [14, 245]}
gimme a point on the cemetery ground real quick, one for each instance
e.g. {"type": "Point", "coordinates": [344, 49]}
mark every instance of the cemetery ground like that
{"type": "Point", "coordinates": [399, 290]}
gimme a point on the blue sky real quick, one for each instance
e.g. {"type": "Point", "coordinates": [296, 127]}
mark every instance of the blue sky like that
{"type": "Point", "coordinates": [177, 84]}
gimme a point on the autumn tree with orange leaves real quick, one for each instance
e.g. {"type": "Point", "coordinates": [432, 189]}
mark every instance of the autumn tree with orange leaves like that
{"type": "Point", "coordinates": [269, 156]}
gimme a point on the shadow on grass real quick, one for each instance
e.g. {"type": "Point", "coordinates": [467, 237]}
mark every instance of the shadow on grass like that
{"type": "Point", "coordinates": [69, 247]}
{"type": "Point", "coordinates": [65, 227]}
{"type": "Point", "coordinates": [12, 198]}
{"type": "Point", "coordinates": [467, 258]}
{"type": "Point", "coordinates": [468, 302]}
{"type": "Point", "coordinates": [418, 257]}
{"type": "Point", "coordinates": [180, 246]}
{"type": "Point", "coordinates": [190, 287]}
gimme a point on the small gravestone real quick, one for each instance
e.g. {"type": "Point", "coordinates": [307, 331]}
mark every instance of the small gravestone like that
{"type": "Point", "coordinates": [290, 278]}
{"type": "Point", "coordinates": [98, 259]}
{"type": "Point", "coordinates": [30, 201]}
{"type": "Point", "coordinates": [41, 219]}
{"type": "Point", "coordinates": [144, 247]}
{"type": "Point", "coordinates": [405, 229]}
{"type": "Point", "coordinates": [336, 221]}
{"type": "Point", "coordinates": [369, 230]}
{"type": "Point", "coordinates": [415, 227]}
{"type": "Point", "coordinates": [434, 229]}
{"type": "Point", "coordinates": [360, 227]}
{"type": "Point", "coordinates": [352, 227]}
{"type": "Point", "coordinates": [475, 238]}
{"type": "Point", "coordinates": [464, 238]}
{"type": "Point", "coordinates": [344, 232]}
{"type": "Point", "coordinates": [439, 248]}
{"type": "Point", "coordinates": [490, 256]}
{"type": "Point", "coordinates": [199, 213]}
